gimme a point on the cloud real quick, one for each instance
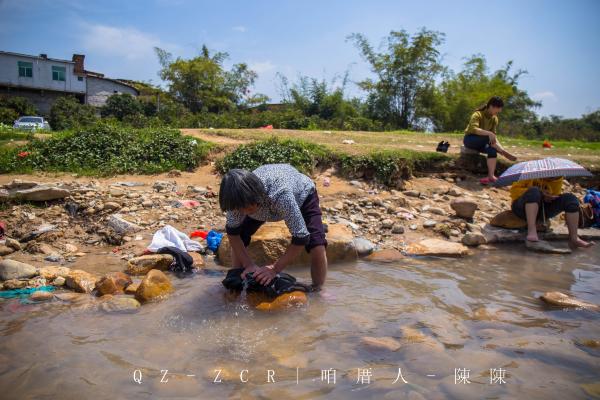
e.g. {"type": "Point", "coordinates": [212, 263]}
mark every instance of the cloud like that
{"type": "Point", "coordinates": [239, 28]}
{"type": "Point", "coordinates": [546, 95]}
{"type": "Point", "coordinates": [129, 43]}
{"type": "Point", "coordinates": [261, 66]}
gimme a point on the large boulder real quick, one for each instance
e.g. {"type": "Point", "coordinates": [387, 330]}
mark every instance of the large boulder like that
{"type": "Point", "coordinates": [508, 220]}
{"type": "Point", "coordinates": [52, 272]}
{"type": "Point", "coordinates": [81, 281]}
{"type": "Point", "coordinates": [272, 239]}
{"type": "Point", "coordinates": [143, 264]}
{"type": "Point", "coordinates": [119, 304]}
{"type": "Point", "coordinates": [113, 283]}
{"type": "Point", "coordinates": [11, 269]}
{"type": "Point", "coordinates": [464, 208]}
{"type": "Point", "coordinates": [438, 248]}
{"type": "Point", "coordinates": [155, 286]}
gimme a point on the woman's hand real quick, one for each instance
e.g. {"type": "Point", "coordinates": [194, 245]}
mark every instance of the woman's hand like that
{"type": "Point", "coordinates": [265, 275]}
{"type": "Point", "coordinates": [248, 269]}
{"type": "Point", "coordinates": [548, 197]}
{"type": "Point", "coordinates": [492, 137]}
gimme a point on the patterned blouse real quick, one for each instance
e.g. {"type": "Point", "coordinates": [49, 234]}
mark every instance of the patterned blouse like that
{"type": "Point", "coordinates": [286, 189]}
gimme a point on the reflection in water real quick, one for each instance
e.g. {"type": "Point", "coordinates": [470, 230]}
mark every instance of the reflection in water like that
{"type": "Point", "coordinates": [475, 313]}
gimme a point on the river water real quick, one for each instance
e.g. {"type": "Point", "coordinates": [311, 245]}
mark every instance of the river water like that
{"type": "Point", "coordinates": [455, 320]}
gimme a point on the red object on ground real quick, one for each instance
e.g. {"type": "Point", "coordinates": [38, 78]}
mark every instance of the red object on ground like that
{"type": "Point", "coordinates": [2, 229]}
{"type": "Point", "coordinates": [189, 203]}
{"type": "Point", "coordinates": [266, 127]}
{"type": "Point", "coordinates": [202, 234]}
{"type": "Point", "coordinates": [23, 154]}
{"type": "Point", "coordinates": [547, 144]}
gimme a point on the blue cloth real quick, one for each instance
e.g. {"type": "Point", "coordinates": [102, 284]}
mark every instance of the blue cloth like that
{"type": "Point", "coordinates": [23, 293]}
{"type": "Point", "coordinates": [213, 240]}
{"type": "Point", "coordinates": [593, 197]}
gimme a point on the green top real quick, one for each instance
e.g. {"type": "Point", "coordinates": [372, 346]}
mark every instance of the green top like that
{"type": "Point", "coordinates": [482, 120]}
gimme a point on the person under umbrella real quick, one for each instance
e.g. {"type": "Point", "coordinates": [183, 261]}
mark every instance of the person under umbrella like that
{"type": "Point", "coordinates": [537, 193]}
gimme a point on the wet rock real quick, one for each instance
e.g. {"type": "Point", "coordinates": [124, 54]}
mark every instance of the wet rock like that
{"type": "Point", "coordinates": [198, 260]}
{"type": "Point", "coordinates": [437, 247]}
{"type": "Point", "coordinates": [113, 283]}
{"type": "Point", "coordinates": [143, 264]}
{"type": "Point", "coordinates": [285, 301]}
{"type": "Point", "coordinates": [120, 304]}
{"type": "Point", "coordinates": [132, 288]}
{"type": "Point", "coordinates": [397, 229]}
{"type": "Point", "coordinates": [121, 225]}
{"type": "Point", "coordinates": [41, 295]}
{"type": "Point", "coordinates": [11, 269]}
{"type": "Point", "coordinates": [5, 250]}
{"type": "Point", "coordinates": [272, 240]}
{"type": "Point", "coordinates": [54, 258]}
{"type": "Point", "coordinates": [381, 343]}
{"type": "Point", "coordinates": [473, 239]}
{"type": "Point", "coordinates": [81, 281]}
{"type": "Point", "coordinates": [464, 208]}
{"type": "Point", "coordinates": [155, 286]}
{"type": "Point", "coordinates": [385, 255]}
{"type": "Point", "coordinates": [564, 300]}
{"type": "Point", "coordinates": [363, 246]}
{"type": "Point", "coordinates": [53, 272]}
{"type": "Point", "coordinates": [508, 220]}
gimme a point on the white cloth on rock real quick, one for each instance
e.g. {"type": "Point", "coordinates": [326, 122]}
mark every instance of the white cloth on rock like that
{"type": "Point", "coordinates": [169, 236]}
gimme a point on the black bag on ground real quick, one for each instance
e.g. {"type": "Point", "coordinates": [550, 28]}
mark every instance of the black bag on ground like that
{"type": "Point", "coordinates": [282, 283]}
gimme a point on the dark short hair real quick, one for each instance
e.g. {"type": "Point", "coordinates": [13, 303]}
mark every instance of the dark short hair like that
{"type": "Point", "coordinates": [239, 189]}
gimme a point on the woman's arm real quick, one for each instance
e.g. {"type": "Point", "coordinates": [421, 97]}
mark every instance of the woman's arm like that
{"type": "Point", "coordinates": [265, 275]}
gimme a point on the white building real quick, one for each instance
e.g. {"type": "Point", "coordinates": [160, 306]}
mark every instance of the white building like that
{"type": "Point", "coordinates": [42, 80]}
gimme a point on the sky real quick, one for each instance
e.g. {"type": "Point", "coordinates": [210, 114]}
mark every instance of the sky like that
{"type": "Point", "coordinates": [557, 42]}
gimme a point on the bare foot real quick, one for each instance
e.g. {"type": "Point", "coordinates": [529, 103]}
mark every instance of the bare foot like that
{"type": "Point", "coordinates": [532, 238]}
{"type": "Point", "coordinates": [573, 244]}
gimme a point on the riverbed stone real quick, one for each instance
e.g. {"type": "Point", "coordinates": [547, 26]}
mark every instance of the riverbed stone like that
{"type": "Point", "coordinates": [381, 343]}
{"type": "Point", "coordinates": [272, 239]}
{"type": "Point", "coordinates": [132, 288]}
{"type": "Point", "coordinates": [120, 304]}
{"type": "Point", "coordinates": [5, 250]}
{"type": "Point", "coordinates": [13, 244]}
{"type": "Point", "coordinates": [37, 193]}
{"type": "Point", "coordinates": [463, 207]}
{"type": "Point", "coordinates": [121, 225]}
{"type": "Point", "coordinates": [198, 260]}
{"type": "Point", "coordinates": [52, 272]}
{"type": "Point", "coordinates": [437, 247]}
{"type": "Point", "coordinates": [12, 269]}
{"type": "Point", "coordinates": [113, 283]}
{"type": "Point", "coordinates": [11, 284]}
{"type": "Point", "coordinates": [385, 256]}
{"type": "Point", "coordinates": [155, 286]}
{"type": "Point", "coordinates": [143, 264]}
{"type": "Point", "coordinates": [508, 220]}
{"type": "Point", "coordinates": [564, 300]}
{"type": "Point", "coordinates": [363, 246]}
{"type": "Point", "coordinates": [81, 281]}
{"type": "Point", "coordinates": [285, 301]}
{"type": "Point", "coordinates": [41, 295]}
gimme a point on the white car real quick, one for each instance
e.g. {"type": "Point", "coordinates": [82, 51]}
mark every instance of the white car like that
{"type": "Point", "coordinates": [31, 123]}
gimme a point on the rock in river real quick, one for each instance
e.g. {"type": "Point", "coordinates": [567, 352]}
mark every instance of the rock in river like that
{"type": "Point", "coordinates": [143, 264]}
{"type": "Point", "coordinates": [155, 286]}
{"type": "Point", "coordinates": [113, 283]}
{"type": "Point", "coordinates": [437, 247]}
{"type": "Point", "coordinates": [381, 343]}
{"type": "Point", "coordinates": [563, 300]}
{"type": "Point", "coordinates": [11, 269]}
{"type": "Point", "coordinates": [473, 239]}
{"type": "Point", "coordinates": [385, 255]}
{"type": "Point", "coordinates": [81, 281]}
{"type": "Point", "coordinates": [120, 304]}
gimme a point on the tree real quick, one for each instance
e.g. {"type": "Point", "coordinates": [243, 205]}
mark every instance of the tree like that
{"type": "Point", "coordinates": [121, 106]}
{"type": "Point", "coordinates": [203, 84]}
{"type": "Point", "coordinates": [405, 72]}
{"type": "Point", "coordinates": [12, 107]}
{"type": "Point", "coordinates": [458, 94]}
{"type": "Point", "coordinates": [68, 113]}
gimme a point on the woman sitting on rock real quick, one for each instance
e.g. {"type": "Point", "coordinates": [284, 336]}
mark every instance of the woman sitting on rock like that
{"type": "Point", "coordinates": [480, 135]}
{"type": "Point", "coordinates": [274, 192]}
{"type": "Point", "coordinates": [535, 199]}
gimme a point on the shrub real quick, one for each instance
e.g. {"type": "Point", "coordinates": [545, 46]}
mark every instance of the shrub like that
{"type": "Point", "coordinates": [8, 115]}
{"type": "Point", "coordinates": [121, 106]}
{"type": "Point", "coordinates": [304, 156]}
{"type": "Point", "coordinates": [69, 113]}
{"type": "Point", "coordinates": [108, 149]}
